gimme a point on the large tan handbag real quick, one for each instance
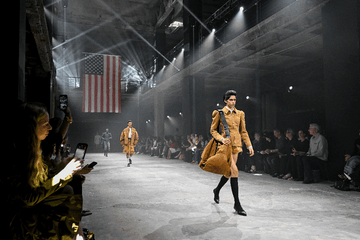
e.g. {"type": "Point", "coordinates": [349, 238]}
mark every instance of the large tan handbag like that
{"type": "Point", "coordinates": [216, 157]}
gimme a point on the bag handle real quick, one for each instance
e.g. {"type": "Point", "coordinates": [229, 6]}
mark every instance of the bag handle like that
{"type": "Point", "coordinates": [226, 126]}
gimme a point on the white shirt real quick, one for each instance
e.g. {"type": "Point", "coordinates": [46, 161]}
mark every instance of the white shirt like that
{"type": "Point", "coordinates": [231, 110]}
{"type": "Point", "coordinates": [318, 147]}
{"type": "Point", "coordinates": [130, 134]}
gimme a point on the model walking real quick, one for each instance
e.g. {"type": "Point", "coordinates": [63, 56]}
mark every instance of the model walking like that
{"type": "Point", "coordinates": [128, 139]}
{"type": "Point", "coordinates": [105, 138]}
{"type": "Point", "coordinates": [238, 133]}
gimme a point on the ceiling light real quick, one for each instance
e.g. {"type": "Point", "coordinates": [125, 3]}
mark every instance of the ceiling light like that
{"type": "Point", "coordinates": [176, 24]}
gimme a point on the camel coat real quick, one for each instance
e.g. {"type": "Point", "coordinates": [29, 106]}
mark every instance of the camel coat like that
{"type": "Point", "coordinates": [124, 140]}
{"type": "Point", "coordinates": [237, 128]}
{"type": "Point", "coordinates": [221, 162]}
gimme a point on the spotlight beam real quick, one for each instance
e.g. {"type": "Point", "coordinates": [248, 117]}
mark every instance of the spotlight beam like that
{"type": "Point", "coordinates": [81, 34]}
{"type": "Point", "coordinates": [201, 23]}
{"type": "Point", "coordinates": [137, 34]}
{"type": "Point", "coordinates": [93, 53]}
{"type": "Point", "coordinates": [192, 14]}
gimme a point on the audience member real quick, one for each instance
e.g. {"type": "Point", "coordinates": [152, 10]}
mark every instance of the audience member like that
{"type": "Point", "coordinates": [174, 149]}
{"type": "Point", "coordinates": [161, 146]}
{"type": "Point", "coordinates": [185, 149]}
{"type": "Point", "coordinates": [352, 166]}
{"type": "Point", "coordinates": [351, 172]}
{"type": "Point", "coordinates": [277, 164]}
{"type": "Point", "coordinates": [165, 150]}
{"type": "Point", "coordinates": [300, 149]}
{"type": "Point", "coordinates": [141, 146]}
{"type": "Point", "coordinates": [200, 145]}
{"type": "Point", "coordinates": [291, 167]}
{"type": "Point", "coordinates": [97, 140]}
{"type": "Point", "coordinates": [266, 153]}
{"type": "Point", "coordinates": [148, 144]}
{"type": "Point", "coordinates": [255, 160]}
{"type": "Point", "coordinates": [30, 202]}
{"type": "Point", "coordinates": [316, 157]}
{"type": "Point", "coordinates": [154, 148]}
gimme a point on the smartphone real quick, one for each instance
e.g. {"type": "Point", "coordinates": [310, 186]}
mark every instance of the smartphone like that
{"type": "Point", "coordinates": [80, 151]}
{"type": "Point", "coordinates": [91, 165]}
{"type": "Point", "coordinates": [63, 102]}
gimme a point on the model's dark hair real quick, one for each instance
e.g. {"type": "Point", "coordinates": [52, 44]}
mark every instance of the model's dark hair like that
{"type": "Point", "coordinates": [228, 94]}
{"type": "Point", "coordinates": [129, 121]}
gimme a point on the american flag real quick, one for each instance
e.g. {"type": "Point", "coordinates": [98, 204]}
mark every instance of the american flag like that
{"type": "Point", "coordinates": [102, 83]}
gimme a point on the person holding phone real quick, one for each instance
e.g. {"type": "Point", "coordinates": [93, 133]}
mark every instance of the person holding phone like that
{"type": "Point", "coordinates": [106, 137]}
{"type": "Point", "coordinates": [128, 139]}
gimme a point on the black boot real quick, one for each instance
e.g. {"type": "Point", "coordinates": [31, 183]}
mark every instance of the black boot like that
{"type": "Point", "coordinates": [216, 191]}
{"type": "Point", "coordinates": [235, 191]}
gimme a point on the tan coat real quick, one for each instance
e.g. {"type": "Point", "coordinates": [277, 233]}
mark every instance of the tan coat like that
{"type": "Point", "coordinates": [124, 140]}
{"type": "Point", "coordinates": [237, 128]}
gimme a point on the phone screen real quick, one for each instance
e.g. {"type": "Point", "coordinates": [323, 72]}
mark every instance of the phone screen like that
{"type": "Point", "coordinates": [63, 102]}
{"type": "Point", "coordinates": [79, 153]}
{"type": "Point", "coordinates": [80, 150]}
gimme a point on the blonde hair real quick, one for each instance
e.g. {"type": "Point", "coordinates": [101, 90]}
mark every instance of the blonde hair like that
{"type": "Point", "coordinates": [40, 169]}
{"type": "Point", "coordinates": [30, 163]}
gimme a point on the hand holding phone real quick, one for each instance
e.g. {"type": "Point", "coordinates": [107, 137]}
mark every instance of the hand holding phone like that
{"type": "Point", "coordinates": [92, 165]}
{"type": "Point", "coordinates": [80, 152]}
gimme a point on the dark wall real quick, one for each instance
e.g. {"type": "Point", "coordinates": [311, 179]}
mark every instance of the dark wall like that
{"type": "Point", "coordinates": [341, 30]}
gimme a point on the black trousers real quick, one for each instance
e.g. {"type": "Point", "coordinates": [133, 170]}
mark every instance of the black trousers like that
{"type": "Point", "coordinates": [300, 167]}
{"type": "Point", "coordinates": [291, 166]}
{"type": "Point", "coordinates": [274, 163]}
{"type": "Point", "coordinates": [313, 165]}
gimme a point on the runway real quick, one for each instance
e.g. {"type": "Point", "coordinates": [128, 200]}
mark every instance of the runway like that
{"type": "Point", "coordinates": [157, 198]}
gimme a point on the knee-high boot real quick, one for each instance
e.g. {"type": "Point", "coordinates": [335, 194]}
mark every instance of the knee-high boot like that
{"type": "Point", "coordinates": [235, 191]}
{"type": "Point", "coordinates": [216, 191]}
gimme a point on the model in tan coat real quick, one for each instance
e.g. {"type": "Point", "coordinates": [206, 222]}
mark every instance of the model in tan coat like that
{"type": "Point", "coordinates": [128, 139]}
{"type": "Point", "coordinates": [236, 122]}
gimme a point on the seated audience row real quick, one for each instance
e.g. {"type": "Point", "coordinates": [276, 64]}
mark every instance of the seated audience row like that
{"type": "Point", "coordinates": [188, 149]}
{"type": "Point", "coordinates": [297, 158]}
{"type": "Point", "coordinates": [292, 156]}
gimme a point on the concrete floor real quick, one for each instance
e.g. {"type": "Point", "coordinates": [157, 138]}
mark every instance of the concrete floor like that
{"type": "Point", "coordinates": [157, 198]}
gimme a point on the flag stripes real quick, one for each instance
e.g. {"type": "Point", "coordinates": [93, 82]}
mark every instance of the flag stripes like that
{"type": "Point", "coordinates": [102, 84]}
